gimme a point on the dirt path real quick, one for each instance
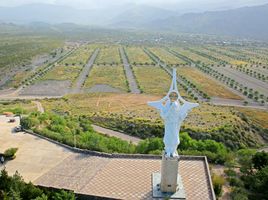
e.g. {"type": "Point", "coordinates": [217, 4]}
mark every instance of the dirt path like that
{"type": "Point", "coordinates": [39, 106]}
{"type": "Point", "coordinates": [117, 134]}
{"type": "Point", "coordinates": [84, 74]}
{"type": "Point", "coordinates": [133, 86]}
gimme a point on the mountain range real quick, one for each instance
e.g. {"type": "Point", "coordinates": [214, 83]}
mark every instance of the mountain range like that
{"type": "Point", "coordinates": [251, 22]}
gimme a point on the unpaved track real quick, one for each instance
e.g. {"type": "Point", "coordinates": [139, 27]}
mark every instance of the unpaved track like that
{"type": "Point", "coordinates": [84, 74]}
{"type": "Point", "coordinates": [244, 79]}
{"type": "Point", "coordinates": [99, 129]}
{"type": "Point", "coordinates": [117, 134]}
{"type": "Point", "coordinates": [133, 86]}
{"type": "Point", "coordinates": [39, 106]}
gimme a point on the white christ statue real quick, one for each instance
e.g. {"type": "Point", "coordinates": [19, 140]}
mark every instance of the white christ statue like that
{"type": "Point", "coordinates": [173, 113]}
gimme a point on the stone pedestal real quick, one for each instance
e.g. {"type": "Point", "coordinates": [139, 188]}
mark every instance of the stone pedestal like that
{"type": "Point", "coordinates": [168, 183]}
{"type": "Point", "coordinates": [169, 172]}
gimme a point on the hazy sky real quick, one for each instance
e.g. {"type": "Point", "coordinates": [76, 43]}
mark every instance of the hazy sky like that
{"type": "Point", "coordinates": [169, 4]}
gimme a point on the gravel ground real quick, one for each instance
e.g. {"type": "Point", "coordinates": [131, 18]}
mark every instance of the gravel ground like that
{"type": "Point", "coordinates": [102, 88]}
{"type": "Point", "coordinates": [244, 79]}
{"type": "Point", "coordinates": [47, 88]}
{"type": "Point", "coordinates": [84, 74]}
{"type": "Point", "coordinates": [133, 86]}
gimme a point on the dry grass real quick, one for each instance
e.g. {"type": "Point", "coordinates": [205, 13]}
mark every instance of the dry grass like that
{"type": "Point", "coordinates": [206, 84]}
{"type": "Point", "coordinates": [203, 118]}
{"type": "Point", "coordinates": [109, 75]}
{"type": "Point", "coordinates": [80, 56]}
{"type": "Point", "coordinates": [62, 72]}
{"type": "Point", "coordinates": [259, 117]}
{"type": "Point", "coordinates": [26, 106]}
{"type": "Point", "coordinates": [166, 56]}
{"type": "Point", "coordinates": [137, 55]}
{"type": "Point", "coordinates": [152, 79]}
{"type": "Point", "coordinates": [109, 55]}
{"type": "Point", "coordinates": [193, 56]}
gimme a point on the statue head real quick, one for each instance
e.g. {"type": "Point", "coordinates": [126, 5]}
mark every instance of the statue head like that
{"type": "Point", "coordinates": [173, 96]}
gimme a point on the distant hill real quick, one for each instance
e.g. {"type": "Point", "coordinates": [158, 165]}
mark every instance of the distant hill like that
{"type": "Point", "coordinates": [139, 16]}
{"type": "Point", "coordinates": [247, 22]}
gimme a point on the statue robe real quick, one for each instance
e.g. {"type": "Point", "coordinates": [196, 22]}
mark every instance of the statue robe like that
{"type": "Point", "coordinates": [173, 114]}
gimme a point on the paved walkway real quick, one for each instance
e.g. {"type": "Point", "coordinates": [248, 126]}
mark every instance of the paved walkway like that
{"type": "Point", "coordinates": [35, 156]}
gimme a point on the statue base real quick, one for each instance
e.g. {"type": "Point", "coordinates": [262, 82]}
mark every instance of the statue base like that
{"type": "Point", "coordinates": [157, 193]}
{"type": "Point", "coordinates": [168, 183]}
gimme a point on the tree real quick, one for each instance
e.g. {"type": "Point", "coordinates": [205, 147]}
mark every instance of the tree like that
{"type": "Point", "coordinates": [260, 160]}
{"type": "Point", "coordinates": [260, 183]}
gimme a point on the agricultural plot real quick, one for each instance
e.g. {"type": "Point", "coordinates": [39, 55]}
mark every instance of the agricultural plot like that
{"type": "Point", "coordinates": [109, 56]}
{"type": "Point", "coordinates": [70, 68]}
{"type": "Point", "coordinates": [256, 72]}
{"type": "Point", "coordinates": [167, 57]}
{"type": "Point", "coordinates": [244, 79]}
{"type": "Point", "coordinates": [231, 57]}
{"type": "Point", "coordinates": [195, 57]}
{"type": "Point", "coordinates": [113, 76]}
{"type": "Point", "coordinates": [206, 84]}
{"type": "Point", "coordinates": [153, 80]}
{"type": "Point", "coordinates": [62, 72]}
{"type": "Point", "coordinates": [217, 54]}
{"type": "Point", "coordinates": [258, 56]}
{"type": "Point", "coordinates": [137, 56]}
{"type": "Point", "coordinates": [79, 57]}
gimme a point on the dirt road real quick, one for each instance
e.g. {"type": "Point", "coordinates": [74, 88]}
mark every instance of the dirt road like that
{"type": "Point", "coordinates": [84, 74]}
{"type": "Point", "coordinates": [133, 86]}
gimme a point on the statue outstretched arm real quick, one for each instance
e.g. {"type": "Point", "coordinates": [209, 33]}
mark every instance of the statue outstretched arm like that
{"type": "Point", "coordinates": [158, 104]}
{"type": "Point", "coordinates": [186, 108]}
{"type": "Point", "coordinates": [181, 99]}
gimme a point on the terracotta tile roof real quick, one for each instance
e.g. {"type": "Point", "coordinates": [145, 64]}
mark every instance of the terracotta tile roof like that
{"type": "Point", "coordinates": [125, 178]}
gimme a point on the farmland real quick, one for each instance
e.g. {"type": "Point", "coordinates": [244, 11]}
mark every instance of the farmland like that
{"type": "Point", "coordinates": [70, 67]}
{"type": "Point", "coordinates": [204, 72]}
{"type": "Point", "coordinates": [205, 83]}
{"type": "Point", "coordinates": [167, 57]}
{"type": "Point", "coordinates": [152, 79]}
{"type": "Point", "coordinates": [107, 75]}
{"type": "Point", "coordinates": [136, 55]}
{"type": "Point", "coordinates": [109, 55]}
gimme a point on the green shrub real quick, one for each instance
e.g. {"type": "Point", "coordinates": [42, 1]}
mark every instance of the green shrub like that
{"type": "Point", "coordinates": [218, 182]}
{"type": "Point", "coordinates": [10, 153]}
